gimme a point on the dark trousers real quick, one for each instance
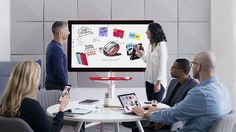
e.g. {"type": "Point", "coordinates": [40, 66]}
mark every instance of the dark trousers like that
{"type": "Point", "coordinates": [51, 86]}
{"type": "Point", "coordinates": [134, 127]}
{"type": "Point", "coordinates": [151, 95]}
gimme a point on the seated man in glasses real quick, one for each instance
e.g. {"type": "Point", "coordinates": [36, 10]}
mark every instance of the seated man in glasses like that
{"type": "Point", "coordinates": [202, 106]}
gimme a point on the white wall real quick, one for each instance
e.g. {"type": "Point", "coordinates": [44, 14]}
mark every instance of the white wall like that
{"type": "Point", "coordinates": [223, 42]}
{"type": "Point", "coordinates": [5, 30]}
{"type": "Point", "coordinates": [186, 23]}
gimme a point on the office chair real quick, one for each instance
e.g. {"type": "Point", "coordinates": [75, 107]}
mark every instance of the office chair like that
{"type": "Point", "coordinates": [48, 98]}
{"type": "Point", "coordinates": [226, 123]}
{"type": "Point", "coordinates": [5, 71]}
{"type": "Point", "coordinates": [14, 125]}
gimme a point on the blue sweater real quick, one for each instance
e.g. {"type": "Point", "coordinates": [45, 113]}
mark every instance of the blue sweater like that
{"type": "Point", "coordinates": [56, 68]}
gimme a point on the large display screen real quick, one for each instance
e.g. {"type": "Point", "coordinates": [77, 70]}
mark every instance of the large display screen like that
{"type": "Point", "coordinates": [106, 45]}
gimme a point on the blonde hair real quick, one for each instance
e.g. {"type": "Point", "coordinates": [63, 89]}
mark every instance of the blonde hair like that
{"type": "Point", "coordinates": [24, 81]}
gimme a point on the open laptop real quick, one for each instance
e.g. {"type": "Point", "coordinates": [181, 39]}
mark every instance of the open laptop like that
{"type": "Point", "coordinates": [128, 101]}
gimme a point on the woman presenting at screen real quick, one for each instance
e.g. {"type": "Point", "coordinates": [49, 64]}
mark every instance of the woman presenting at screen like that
{"type": "Point", "coordinates": [156, 62]}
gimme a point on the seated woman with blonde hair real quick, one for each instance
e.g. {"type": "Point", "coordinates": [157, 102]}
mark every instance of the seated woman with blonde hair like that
{"type": "Point", "coordinates": [19, 99]}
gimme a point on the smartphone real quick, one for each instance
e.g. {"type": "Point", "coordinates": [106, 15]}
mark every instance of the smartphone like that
{"type": "Point", "coordinates": [148, 102]}
{"type": "Point", "coordinates": [65, 91]}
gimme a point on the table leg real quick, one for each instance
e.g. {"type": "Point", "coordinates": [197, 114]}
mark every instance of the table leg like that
{"type": "Point", "coordinates": [140, 128]}
{"type": "Point", "coordinates": [101, 127]}
{"type": "Point", "coordinates": [117, 127]}
{"type": "Point", "coordinates": [78, 127]}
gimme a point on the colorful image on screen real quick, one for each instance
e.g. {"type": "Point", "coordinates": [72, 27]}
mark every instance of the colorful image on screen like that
{"type": "Point", "coordinates": [106, 44]}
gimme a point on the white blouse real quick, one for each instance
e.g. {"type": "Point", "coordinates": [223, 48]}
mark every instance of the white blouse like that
{"type": "Point", "coordinates": [156, 64]}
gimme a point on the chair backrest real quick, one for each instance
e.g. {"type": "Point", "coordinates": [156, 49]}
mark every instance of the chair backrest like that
{"type": "Point", "coordinates": [14, 125]}
{"type": "Point", "coordinates": [5, 71]}
{"type": "Point", "coordinates": [225, 124]}
{"type": "Point", "coordinates": [47, 98]}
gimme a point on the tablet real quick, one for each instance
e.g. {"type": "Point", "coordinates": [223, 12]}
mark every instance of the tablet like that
{"type": "Point", "coordinates": [128, 101]}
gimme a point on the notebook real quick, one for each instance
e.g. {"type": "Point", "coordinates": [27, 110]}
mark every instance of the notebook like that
{"type": "Point", "coordinates": [128, 101]}
{"type": "Point", "coordinates": [76, 111]}
{"type": "Point", "coordinates": [80, 111]}
{"type": "Point", "coordinates": [89, 101]}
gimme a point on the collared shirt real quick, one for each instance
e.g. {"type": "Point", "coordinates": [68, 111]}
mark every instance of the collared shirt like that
{"type": "Point", "coordinates": [202, 106]}
{"type": "Point", "coordinates": [156, 64]}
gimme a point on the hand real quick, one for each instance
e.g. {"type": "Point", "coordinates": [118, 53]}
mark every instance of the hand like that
{"type": "Point", "coordinates": [64, 102]}
{"type": "Point", "coordinates": [139, 111]}
{"type": "Point", "coordinates": [150, 108]}
{"type": "Point", "coordinates": [139, 53]}
{"type": "Point", "coordinates": [157, 87]}
{"type": "Point", "coordinates": [136, 47]}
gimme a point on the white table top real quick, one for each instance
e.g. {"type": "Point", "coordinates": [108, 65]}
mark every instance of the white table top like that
{"type": "Point", "coordinates": [100, 114]}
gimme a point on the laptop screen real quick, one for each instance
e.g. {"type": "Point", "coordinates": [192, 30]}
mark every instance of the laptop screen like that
{"type": "Point", "coordinates": [128, 101]}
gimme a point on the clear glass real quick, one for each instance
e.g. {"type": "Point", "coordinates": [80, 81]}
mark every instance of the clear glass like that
{"type": "Point", "coordinates": [154, 103]}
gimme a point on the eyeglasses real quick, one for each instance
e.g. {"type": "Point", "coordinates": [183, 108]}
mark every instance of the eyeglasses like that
{"type": "Point", "coordinates": [193, 63]}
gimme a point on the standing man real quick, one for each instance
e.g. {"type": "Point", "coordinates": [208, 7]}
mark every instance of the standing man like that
{"type": "Point", "coordinates": [202, 106]}
{"type": "Point", "coordinates": [56, 68]}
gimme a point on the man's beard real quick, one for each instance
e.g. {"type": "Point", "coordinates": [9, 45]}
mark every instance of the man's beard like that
{"type": "Point", "coordinates": [174, 76]}
{"type": "Point", "coordinates": [196, 75]}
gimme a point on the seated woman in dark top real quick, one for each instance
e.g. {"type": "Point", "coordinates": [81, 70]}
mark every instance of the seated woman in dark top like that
{"type": "Point", "coordinates": [19, 99]}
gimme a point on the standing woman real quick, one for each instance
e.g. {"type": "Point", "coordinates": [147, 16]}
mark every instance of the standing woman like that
{"type": "Point", "coordinates": [19, 99]}
{"type": "Point", "coordinates": [156, 62]}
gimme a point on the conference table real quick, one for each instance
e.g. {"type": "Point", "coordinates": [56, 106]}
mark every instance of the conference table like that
{"type": "Point", "coordinates": [112, 114]}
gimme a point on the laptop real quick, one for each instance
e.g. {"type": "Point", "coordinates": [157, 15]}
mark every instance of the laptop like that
{"type": "Point", "coordinates": [128, 101]}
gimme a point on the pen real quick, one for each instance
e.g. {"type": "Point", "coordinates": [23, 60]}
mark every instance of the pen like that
{"type": "Point", "coordinates": [69, 115]}
{"type": "Point", "coordinates": [66, 111]}
{"type": "Point", "coordinates": [66, 114]}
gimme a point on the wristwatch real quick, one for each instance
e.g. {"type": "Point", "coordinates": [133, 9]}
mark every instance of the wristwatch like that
{"type": "Point", "coordinates": [145, 114]}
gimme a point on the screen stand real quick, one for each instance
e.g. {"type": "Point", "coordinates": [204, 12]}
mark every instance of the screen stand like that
{"type": "Point", "coordinates": [112, 85]}
{"type": "Point", "coordinates": [111, 79]}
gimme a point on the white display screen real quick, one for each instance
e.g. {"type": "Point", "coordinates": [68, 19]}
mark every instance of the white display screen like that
{"type": "Point", "coordinates": [106, 45]}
